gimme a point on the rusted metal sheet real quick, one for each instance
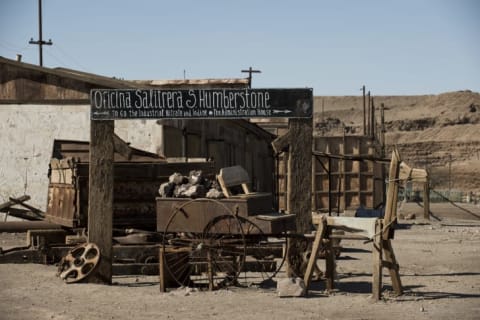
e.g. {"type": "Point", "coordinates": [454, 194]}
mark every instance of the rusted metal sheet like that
{"type": "Point", "coordinates": [61, 206]}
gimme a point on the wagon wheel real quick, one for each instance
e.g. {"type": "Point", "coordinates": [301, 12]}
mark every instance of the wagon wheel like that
{"type": "Point", "coordinates": [210, 259]}
{"type": "Point", "coordinates": [264, 257]}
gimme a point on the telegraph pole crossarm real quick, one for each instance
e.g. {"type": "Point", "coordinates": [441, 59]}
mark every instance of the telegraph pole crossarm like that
{"type": "Point", "coordinates": [40, 42]}
{"type": "Point", "coordinates": [250, 71]}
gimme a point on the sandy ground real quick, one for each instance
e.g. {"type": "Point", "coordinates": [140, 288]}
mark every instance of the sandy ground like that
{"type": "Point", "coordinates": [440, 271]}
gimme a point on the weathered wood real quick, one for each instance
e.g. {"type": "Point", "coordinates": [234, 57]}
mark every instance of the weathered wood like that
{"type": "Point", "coordinates": [231, 177]}
{"type": "Point", "coordinates": [329, 265]}
{"type": "Point", "coordinates": [426, 199]}
{"type": "Point", "coordinates": [161, 270]}
{"type": "Point", "coordinates": [391, 203]}
{"type": "Point", "coordinates": [13, 201]}
{"type": "Point", "coordinates": [282, 143]}
{"type": "Point", "coordinates": [122, 147]}
{"type": "Point", "coordinates": [299, 187]}
{"type": "Point", "coordinates": [317, 242]}
{"type": "Point", "coordinates": [392, 266]}
{"type": "Point", "coordinates": [377, 264]}
{"type": "Point", "coordinates": [100, 198]}
{"type": "Point", "coordinates": [147, 269]}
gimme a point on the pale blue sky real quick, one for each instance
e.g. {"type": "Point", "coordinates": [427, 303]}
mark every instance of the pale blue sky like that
{"type": "Point", "coordinates": [393, 47]}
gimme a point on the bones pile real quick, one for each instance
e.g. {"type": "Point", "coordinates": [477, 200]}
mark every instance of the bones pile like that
{"type": "Point", "coordinates": [193, 186]}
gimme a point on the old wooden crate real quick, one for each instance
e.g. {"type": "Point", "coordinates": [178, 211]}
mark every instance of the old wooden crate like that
{"type": "Point", "coordinates": [136, 184]}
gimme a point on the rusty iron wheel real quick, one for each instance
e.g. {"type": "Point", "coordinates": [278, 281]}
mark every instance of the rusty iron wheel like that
{"type": "Point", "coordinates": [264, 257]}
{"type": "Point", "coordinates": [211, 259]}
{"type": "Point", "coordinates": [79, 263]}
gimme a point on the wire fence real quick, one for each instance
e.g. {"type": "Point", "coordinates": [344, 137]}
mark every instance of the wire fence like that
{"type": "Point", "coordinates": [437, 196]}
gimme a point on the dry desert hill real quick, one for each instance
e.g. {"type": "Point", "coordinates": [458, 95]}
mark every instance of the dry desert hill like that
{"type": "Point", "coordinates": [438, 132]}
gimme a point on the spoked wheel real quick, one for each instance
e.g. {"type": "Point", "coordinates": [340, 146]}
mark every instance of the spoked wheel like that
{"type": "Point", "coordinates": [209, 259]}
{"type": "Point", "coordinates": [264, 257]}
{"type": "Point", "coordinates": [79, 263]}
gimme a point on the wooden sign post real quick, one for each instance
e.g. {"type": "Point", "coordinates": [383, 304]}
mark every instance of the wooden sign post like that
{"type": "Point", "coordinates": [100, 197]}
{"type": "Point", "coordinates": [109, 104]}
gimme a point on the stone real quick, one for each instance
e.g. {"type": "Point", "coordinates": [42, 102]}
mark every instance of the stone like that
{"type": "Point", "coordinates": [291, 287]}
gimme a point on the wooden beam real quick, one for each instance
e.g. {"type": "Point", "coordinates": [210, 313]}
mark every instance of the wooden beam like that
{"type": "Point", "coordinates": [392, 193]}
{"type": "Point", "coordinates": [281, 143]}
{"type": "Point", "coordinates": [329, 266]}
{"type": "Point", "coordinates": [392, 266]}
{"type": "Point", "coordinates": [426, 199]}
{"type": "Point", "coordinates": [377, 264]}
{"type": "Point", "coordinates": [100, 197]}
{"type": "Point", "coordinates": [122, 147]}
{"type": "Point", "coordinates": [299, 187]}
{"type": "Point", "coordinates": [312, 261]}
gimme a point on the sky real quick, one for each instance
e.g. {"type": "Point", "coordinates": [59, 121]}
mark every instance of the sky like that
{"type": "Point", "coordinates": [404, 47]}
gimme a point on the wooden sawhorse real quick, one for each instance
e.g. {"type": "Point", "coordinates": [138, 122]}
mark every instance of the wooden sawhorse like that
{"type": "Point", "coordinates": [375, 229]}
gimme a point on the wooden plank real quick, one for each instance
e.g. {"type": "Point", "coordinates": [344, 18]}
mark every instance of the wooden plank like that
{"type": "Point", "coordinates": [282, 143]}
{"type": "Point", "coordinates": [393, 267]}
{"type": "Point", "coordinates": [233, 176]}
{"type": "Point", "coordinates": [317, 242]}
{"type": "Point", "coordinates": [100, 198]}
{"type": "Point", "coordinates": [10, 203]}
{"type": "Point", "coordinates": [121, 147]}
{"type": "Point", "coordinates": [391, 204]}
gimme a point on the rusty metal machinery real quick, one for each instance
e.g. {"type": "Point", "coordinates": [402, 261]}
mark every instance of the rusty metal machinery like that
{"type": "Point", "coordinates": [79, 263]}
{"type": "Point", "coordinates": [207, 245]}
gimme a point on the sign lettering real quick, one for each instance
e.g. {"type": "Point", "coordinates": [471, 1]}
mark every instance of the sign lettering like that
{"type": "Point", "coordinates": [112, 104]}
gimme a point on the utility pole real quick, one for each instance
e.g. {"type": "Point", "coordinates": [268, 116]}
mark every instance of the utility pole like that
{"type": "Point", "coordinates": [40, 41]}
{"type": "Point", "coordinates": [373, 122]}
{"type": "Point", "coordinates": [368, 114]}
{"type": "Point", "coordinates": [250, 71]}
{"type": "Point", "coordinates": [364, 115]}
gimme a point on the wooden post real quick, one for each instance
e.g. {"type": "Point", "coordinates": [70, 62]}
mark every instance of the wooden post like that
{"type": "Point", "coordinates": [161, 270]}
{"type": "Point", "coordinates": [300, 173]}
{"type": "Point", "coordinates": [426, 199]}
{"type": "Point", "coordinates": [377, 262]}
{"type": "Point", "coordinates": [314, 184]}
{"type": "Point", "coordinates": [100, 197]}
{"type": "Point", "coordinates": [329, 266]}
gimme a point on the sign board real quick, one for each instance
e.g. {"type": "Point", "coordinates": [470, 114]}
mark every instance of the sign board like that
{"type": "Point", "coordinates": [113, 104]}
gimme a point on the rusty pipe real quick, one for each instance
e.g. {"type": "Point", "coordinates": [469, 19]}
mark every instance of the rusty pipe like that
{"type": "Point", "coordinates": [24, 226]}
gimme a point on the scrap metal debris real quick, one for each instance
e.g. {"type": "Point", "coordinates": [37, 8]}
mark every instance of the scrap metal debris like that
{"type": "Point", "coordinates": [79, 263]}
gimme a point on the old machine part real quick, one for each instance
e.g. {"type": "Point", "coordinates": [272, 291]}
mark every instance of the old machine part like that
{"type": "Point", "coordinates": [79, 263]}
{"type": "Point", "coordinates": [208, 245]}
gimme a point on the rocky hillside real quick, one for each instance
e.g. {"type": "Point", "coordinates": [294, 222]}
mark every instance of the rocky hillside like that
{"type": "Point", "coordinates": [439, 132]}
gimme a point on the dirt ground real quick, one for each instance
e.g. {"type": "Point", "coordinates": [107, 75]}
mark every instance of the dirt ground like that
{"type": "Point", "coordinates": [439, 267]}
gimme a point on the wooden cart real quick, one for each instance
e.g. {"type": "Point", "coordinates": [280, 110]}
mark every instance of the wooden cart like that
{"type": "Point", "coordinates": [212, 243]}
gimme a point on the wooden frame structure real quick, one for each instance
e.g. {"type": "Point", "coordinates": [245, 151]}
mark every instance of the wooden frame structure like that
{"type": "Point", "coordinates": [377, 230]}
{"type": "Point", "coordinates": [100, 204]}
